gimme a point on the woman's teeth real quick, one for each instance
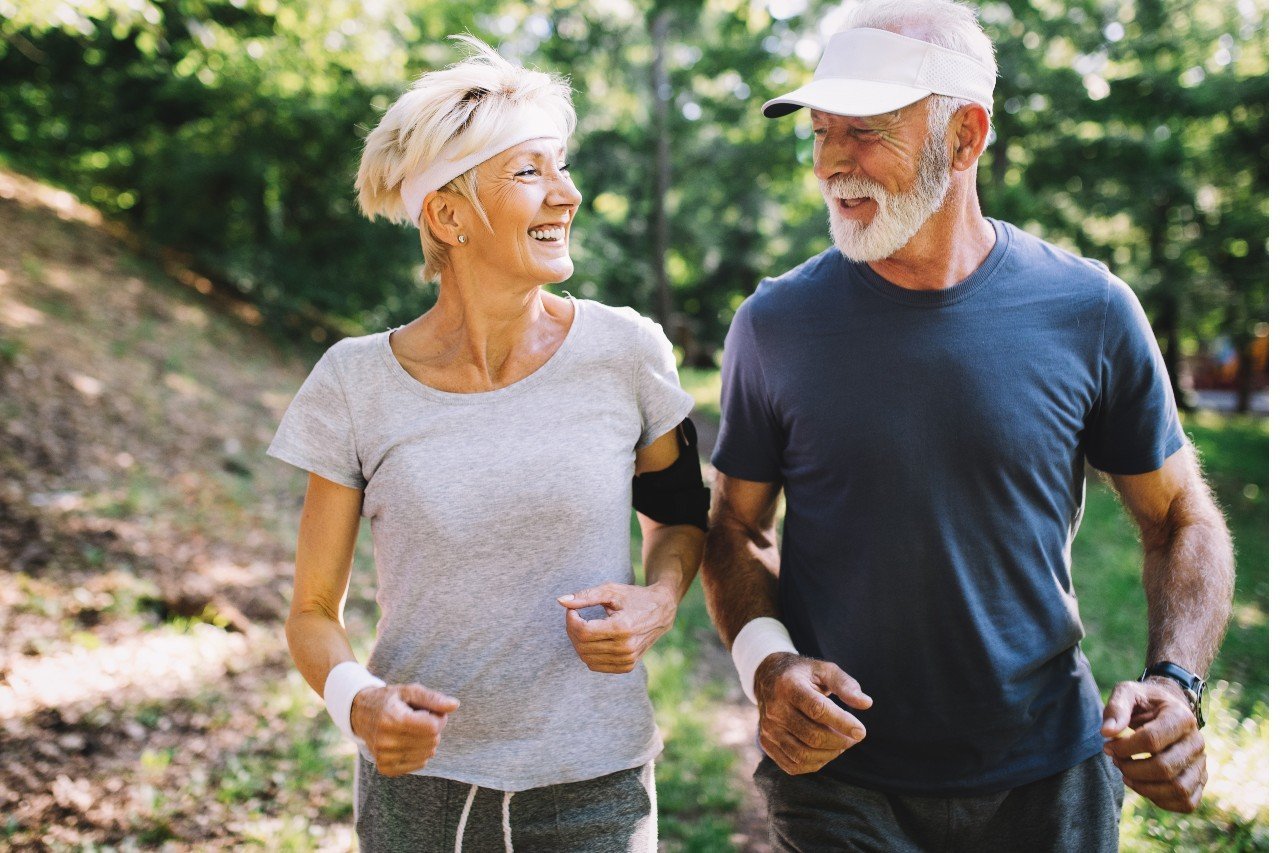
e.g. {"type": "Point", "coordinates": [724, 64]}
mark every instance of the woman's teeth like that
{"type": "Point", "coordinates": [553, 233]}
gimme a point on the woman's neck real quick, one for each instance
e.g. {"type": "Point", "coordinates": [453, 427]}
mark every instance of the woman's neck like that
{"type": "Point", "coordinates": [478, 338]}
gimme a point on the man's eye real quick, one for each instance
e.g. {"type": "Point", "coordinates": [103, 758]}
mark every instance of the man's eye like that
{"type": "Point", "coordinates": [819, 131]}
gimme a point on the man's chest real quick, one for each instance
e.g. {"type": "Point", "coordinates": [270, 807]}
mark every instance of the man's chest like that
{"type": "Point", "coordinates": [983, 397]}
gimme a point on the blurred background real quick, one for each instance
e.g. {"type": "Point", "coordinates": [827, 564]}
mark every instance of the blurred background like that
{"type": "Point", "coordinates": [179, 242]}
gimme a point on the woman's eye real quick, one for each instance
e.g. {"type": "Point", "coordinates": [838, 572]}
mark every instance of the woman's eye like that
{"type": "Point", "coordinates": [565, 168]}
{"type": "Point", "coordinates": [524, 173]}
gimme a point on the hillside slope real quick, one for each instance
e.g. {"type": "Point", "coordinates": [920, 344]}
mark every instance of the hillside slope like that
{"type": "Point", "coordinates": [146, 693]}
{"type": "Point", "coordinates": [145, 547]}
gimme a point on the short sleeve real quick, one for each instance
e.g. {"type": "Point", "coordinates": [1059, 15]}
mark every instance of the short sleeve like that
{"type": "Point", "coordinates": [1133, 426]}
{"type": "Point", "coordinates": [663, 403]}
{"type": "Point", "coordinates": [316, 432]}
{"type": "Point", "coordinates": [750, 442]}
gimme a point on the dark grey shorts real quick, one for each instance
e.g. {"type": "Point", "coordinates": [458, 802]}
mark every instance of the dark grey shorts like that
{"type": "Point", "coordinates": [1075, 811]}
{"type": "Point", "coordinates": [616, 813]}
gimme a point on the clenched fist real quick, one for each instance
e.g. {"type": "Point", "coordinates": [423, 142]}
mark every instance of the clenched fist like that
{"type": "Point", "coordinates": [400, 724]}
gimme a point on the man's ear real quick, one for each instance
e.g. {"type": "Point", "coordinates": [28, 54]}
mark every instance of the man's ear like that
{"type": "Point", "coordinates": [971, 124]}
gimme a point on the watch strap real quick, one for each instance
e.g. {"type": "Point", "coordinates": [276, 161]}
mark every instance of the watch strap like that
{"type": "Point", "coordinates": [1192, 685]}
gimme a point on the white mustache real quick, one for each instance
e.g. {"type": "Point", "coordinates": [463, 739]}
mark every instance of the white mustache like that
{"type": "Point", "coordinates": [834, 189]}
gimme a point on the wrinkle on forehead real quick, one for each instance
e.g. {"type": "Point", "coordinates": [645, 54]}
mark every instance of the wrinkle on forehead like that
{"type": "Point", "coordinates": [538, 149]}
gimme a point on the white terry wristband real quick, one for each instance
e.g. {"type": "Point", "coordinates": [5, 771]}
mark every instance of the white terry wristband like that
{"type": "Point", "coordinates": [340, 688]}
{"type": "Point", "coordinates": [758, 639]}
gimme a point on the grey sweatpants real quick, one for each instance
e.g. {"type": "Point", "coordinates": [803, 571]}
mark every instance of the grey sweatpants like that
{"type": "Point", "coordinates": [616, 813]}
{"type": "Point", "coordinates": [1075, 811]}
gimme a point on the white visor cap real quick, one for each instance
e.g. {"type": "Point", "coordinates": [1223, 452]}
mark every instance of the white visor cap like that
{"type": "Point", "coordinates": [528, 122]}
{"type": "Point", "coordinates": [868, 72]}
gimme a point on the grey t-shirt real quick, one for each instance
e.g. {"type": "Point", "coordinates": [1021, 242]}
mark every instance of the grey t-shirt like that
{"type": "Point", "coordinates": [484, 509]}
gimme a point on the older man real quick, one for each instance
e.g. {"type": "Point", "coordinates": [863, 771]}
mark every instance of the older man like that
{"type": "Point", "coordinates": [926, 394]}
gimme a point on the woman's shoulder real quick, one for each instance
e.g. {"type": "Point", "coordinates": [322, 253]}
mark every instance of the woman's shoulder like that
{"type": "Point", "coordinates": [355, 355]}
{"type": "Point", "coordinates": [358, 347]}
{"type": "Point", "coordinates": [621, 323]}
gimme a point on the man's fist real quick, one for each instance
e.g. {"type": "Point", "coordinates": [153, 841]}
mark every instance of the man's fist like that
{"type": "Point", "coordinates": [800, 728]}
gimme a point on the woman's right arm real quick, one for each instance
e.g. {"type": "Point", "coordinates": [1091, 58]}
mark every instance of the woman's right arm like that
{"type": "Point", "coordinates": [400, 723]}
{"type": "Point", "coordinates": [326, 543]}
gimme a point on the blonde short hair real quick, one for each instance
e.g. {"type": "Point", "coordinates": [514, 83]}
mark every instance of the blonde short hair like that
{"type": "Point", "coordinates": [467, 103]}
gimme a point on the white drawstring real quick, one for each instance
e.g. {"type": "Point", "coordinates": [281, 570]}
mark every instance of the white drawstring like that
{"type": "Point", "coordinates": [506, 820]}
{"type": "Point", "coordinates": [462, 824]}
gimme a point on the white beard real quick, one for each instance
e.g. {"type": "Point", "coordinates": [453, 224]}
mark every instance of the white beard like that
{"type": "Point", "coordinates": [899, 216]}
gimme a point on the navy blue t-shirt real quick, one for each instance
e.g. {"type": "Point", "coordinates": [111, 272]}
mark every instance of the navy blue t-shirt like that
{"type": "Point", "coordinates": [931, 446]}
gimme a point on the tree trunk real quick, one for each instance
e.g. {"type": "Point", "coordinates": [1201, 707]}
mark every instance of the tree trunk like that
{"type": "Point", "coordinates": [1244, 375]}
{"type": "Point", "coordinates": [658, 29]}
{"type": "Point", "coordinates": [1169, 325]}
{"type": "Point", "coordinates": [1169, 328]}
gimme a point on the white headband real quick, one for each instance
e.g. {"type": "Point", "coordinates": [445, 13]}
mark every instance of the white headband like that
{"type": "Point", "coordinates": [528, 122]}
{"type": "Point", "coordinates": [867, 72]}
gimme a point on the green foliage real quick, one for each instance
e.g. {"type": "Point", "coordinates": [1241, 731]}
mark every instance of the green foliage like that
{"type": "Point", "coordinates": [1132, 130]}
{"type": "Point", "coordinates": [1136, 132]}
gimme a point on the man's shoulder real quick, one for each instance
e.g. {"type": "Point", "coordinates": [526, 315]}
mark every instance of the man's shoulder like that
{"type": "Point", "coordinates": [807, 281]}
{"type": "Point", "coordinates": [1057, 262]}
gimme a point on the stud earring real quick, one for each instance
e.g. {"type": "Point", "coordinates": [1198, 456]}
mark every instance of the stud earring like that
{"type": "Point", "coordinates": [462, 239]}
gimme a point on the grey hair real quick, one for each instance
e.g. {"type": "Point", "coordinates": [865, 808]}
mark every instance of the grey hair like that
{"type": "Point", "coordinates": [466, 102]}
{"type": "Point", "coordinates": [946, 23]}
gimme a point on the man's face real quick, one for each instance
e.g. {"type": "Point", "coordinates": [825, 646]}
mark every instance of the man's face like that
{"type": "Point", "coordinates": [882, 177]}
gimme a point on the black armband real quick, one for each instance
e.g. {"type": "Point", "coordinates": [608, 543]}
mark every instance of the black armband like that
{"type": "Point", "coordinates": [676, 494]}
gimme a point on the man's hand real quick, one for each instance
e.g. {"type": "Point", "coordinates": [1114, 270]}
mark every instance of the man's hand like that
{"type": "Point", "coordinates": [1171, 770]}
{"type": "Point", "coordinates": [636, 617]}
{"type": "Point", "coordinates": [800, 728]}
{"type": "Point", "coordinates": [401, 724]}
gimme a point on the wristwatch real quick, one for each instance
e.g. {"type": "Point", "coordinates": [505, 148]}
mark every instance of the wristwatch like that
{"type": "Point", "coordinates": [1192, 685]}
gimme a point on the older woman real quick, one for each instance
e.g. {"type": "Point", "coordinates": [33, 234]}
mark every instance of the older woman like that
{"type": "Point", "coordinates": [492, 442]}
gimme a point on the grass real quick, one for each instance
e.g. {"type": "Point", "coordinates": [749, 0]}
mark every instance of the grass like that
{"type": "Point", "coordinates": [697, 796]}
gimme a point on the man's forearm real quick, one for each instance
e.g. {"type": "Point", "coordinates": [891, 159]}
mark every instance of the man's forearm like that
{"type": "Point", "coordinates": [739, 576]}
{"type": "Point", "coordinates": [1189, 578]}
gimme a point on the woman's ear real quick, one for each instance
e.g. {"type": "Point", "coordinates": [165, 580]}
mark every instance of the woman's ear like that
{"type": "Point", "coordinates": [441, 214]}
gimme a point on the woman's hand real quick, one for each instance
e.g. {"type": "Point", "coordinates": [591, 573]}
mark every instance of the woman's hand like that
{"type": "Point", "coordinates": [637, 617]}
{"type": "Point", "coordinates": [401, 724]}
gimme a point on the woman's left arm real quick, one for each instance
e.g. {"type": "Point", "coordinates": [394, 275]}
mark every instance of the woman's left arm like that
{"type": "Point", "coordinates": [638, 615]}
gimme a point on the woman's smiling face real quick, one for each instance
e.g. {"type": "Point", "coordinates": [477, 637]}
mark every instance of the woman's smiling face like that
{"type": "Point", "coordinates": [530, 200]}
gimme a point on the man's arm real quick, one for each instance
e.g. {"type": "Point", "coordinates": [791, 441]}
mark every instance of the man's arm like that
{"type": "Point", "coordinates": [800, 727]}
{"type": "Point", "coordinates": [741, 565]}
{"type": "Point", "coordinates": [1189, 576]}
